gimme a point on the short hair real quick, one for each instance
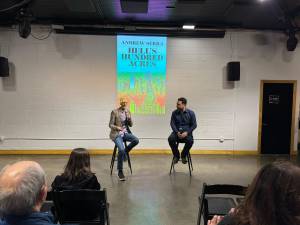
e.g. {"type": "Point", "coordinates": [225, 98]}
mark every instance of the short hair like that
{"type": "Point", "coordinates": [183, 100]}
{"type": "Point", "coordinates": [21, 199]}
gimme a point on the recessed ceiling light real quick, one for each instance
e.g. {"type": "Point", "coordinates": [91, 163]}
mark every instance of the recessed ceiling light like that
{"type": "Point", "coordinates": [188, 27]}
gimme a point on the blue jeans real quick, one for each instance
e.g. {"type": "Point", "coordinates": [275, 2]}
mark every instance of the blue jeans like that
{"type": "Point", "coordinates": [119, 141]}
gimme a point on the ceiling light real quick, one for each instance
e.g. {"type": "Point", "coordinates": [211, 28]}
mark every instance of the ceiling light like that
{"type": "Point", "coordinates": [188, 27]}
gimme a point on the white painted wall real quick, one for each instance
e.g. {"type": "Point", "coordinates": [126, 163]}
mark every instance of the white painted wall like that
{"type": "Point", "coordinates": [64, 87]}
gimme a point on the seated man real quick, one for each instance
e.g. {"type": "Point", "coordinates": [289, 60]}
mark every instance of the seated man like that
{"type": "Point", "coordinates": [119, 123]}
{"type": "Point", "coordinates": [183, 122]}
{"type": "Point", "coordinates": [22, 193]}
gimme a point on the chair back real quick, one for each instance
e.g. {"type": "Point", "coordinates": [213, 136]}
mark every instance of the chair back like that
{"type": "Point", "coordinates": [229, 189]}
{"type": "Point", "coordinates": [81, 206]}
{"type": "Point", "coordinates": [215, 204]}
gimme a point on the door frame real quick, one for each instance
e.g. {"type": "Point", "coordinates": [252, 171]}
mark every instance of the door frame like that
{"type": "Point", "coordinates": [262, 82]}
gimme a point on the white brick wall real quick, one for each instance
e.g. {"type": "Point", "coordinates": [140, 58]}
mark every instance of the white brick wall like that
{"type": "Point", "coordinates": [65, 88]}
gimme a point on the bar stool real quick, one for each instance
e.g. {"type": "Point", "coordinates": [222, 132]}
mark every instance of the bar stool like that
{"type": "Point", "coordinates": [189, 159]}
{"type": "Point", "coordinates": [113, 159]}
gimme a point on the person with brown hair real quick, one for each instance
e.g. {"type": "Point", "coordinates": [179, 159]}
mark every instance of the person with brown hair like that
{"type": "Point", "coordinates": [77, 174]}
{"type": "Point", "coordinates": [273, 198]}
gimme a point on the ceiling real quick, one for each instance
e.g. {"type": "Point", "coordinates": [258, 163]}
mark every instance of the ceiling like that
{"type": "Point", "coordinates": [157, 14]}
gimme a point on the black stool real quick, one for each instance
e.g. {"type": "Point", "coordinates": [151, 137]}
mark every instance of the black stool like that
{"type": "Point", "coordinates": [189, 159]}
{"type": "Point", "coordinates": [113, 159]}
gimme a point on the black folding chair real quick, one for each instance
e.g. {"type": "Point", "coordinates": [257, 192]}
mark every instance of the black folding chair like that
{"type": "Point", "coordinates": [85, 207]}
{"type": "Point", "coordinates": [218, 205]}
{"type": "Point", "coordinates": [189, 159]}
{"type": "Point", "coordinates": [113, 159]}
{"type": "Point", "coordinates": [48, 203]}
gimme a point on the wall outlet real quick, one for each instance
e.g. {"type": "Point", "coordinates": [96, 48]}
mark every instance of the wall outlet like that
{"type": "Point", "coordinates": [222, 139]}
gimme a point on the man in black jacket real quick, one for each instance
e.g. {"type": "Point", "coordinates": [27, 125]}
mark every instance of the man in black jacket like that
{"type": "Point", "coordinates": [183, 122]}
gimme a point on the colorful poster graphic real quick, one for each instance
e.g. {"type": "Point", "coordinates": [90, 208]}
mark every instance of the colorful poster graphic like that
{"type": "Point", "coordinates": [141, 72]}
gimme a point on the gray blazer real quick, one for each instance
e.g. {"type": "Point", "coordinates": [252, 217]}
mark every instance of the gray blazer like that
{"type": "Point", "coordinates": [115, 122]}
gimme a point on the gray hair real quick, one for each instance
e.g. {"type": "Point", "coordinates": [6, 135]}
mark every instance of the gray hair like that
{"type": "Point", "coordinates": [22, 198]}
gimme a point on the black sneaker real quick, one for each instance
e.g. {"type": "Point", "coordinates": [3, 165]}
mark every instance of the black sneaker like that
{"type": "Point", "coordinates": [175, 160]}
{"type": "Point", "coordinates": [121, 175]}
{"type": "Point", "coordinates": [184, 160]}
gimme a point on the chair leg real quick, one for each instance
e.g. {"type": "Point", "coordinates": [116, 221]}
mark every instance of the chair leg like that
{"type": "Point", "coordinates": [191, 162]}
{"type": "Point", "coordinates": [190, 169]}
{"type": "Point", "coordinates": [107, 215]}
{"type": "Point", "coordinates": [113, 157]}
{"type": "Point", "coordinates": [172, 166]}
{"type": "Point", "coordinates": [111, 162]}
{"type": "Point", "coordinates": [129, 162]}
{"type": "Point", "coordinates": [199, 214]}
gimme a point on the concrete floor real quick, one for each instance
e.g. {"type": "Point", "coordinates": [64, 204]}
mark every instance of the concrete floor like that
{"type": "Point", "coordinates": [150, 196]}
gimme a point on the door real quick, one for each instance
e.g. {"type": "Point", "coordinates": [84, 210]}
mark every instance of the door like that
{"type": "Point", "coordinates": [277, 117]}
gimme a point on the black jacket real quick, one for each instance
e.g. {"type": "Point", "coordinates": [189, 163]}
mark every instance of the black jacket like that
{"type": "Point", "coordinates": [81, 182]}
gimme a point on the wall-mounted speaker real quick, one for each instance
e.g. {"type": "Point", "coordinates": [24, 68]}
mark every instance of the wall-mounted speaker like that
{"type": "Point", "coordinates": [4, 68]}
{"type": "Point", "coordinates": [233, 71]}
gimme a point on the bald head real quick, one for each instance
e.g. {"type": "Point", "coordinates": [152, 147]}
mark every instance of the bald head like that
{"type": "Point", "coordinates": [12, 175]}
{"type": "Point", "coordinates": [22, 187]}
{"type": "Point", "coordinates": [123, 102]}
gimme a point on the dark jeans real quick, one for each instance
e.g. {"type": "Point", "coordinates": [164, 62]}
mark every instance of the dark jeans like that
{"type": "Point", "coordinates": [174, 139]}
{"type": "Point", "coordinates": [119, 141]}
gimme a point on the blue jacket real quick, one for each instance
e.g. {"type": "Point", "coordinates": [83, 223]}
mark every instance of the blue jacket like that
{"type": "Point", "coordinates": [35, 218]}
{"type": "Point", "coordinates": [183, 121]}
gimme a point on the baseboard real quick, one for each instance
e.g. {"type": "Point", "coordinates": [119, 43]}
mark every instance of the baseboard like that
{"type": "Point", "coordinates": [134, 152]}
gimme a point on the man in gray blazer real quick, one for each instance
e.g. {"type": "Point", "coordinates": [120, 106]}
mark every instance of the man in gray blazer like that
{"type": "Point", "coordinates": [120, 121]}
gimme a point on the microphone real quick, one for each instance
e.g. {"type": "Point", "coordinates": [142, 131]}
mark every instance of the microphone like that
{"type": "Point", "coordinates": [127, 114]}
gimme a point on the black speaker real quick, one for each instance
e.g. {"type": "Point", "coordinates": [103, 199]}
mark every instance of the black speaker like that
{"type": "Point", "coordinates": [4, 68]}
{"type": "Point", "coordinates": [233, 71]}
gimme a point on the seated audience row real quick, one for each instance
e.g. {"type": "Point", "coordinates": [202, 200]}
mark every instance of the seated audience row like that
{"type": "Point", "coordinates": [23, 188]}
{"type": "Point", "coordinates": [273, 198]}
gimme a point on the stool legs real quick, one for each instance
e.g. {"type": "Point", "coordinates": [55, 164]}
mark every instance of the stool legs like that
{"type": "Point", "coordinates": [190, 159]}
{"type": "Point", "coordinates": [190, 163]}
{"type": "Point", "coordinates": [172, 166]}
{"type": "Point", "coordinates": [129, 162]}
{"type": "Point", "coordinates": [113, 159]}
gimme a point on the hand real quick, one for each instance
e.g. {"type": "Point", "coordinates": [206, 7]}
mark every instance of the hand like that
{"type": "Point", "coordinates": [179, 135]}
{"type": "Point", "coordinates": [184, 134]}
{"type": "Point", "coordinates": [232, 211]}
{"type": "Point", "coordinates": [215, 220]}
{"type": "Point", "coordinates": [119, 128]}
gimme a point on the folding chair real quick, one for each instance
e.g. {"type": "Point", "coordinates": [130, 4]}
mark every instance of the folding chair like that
{"type": "Point", "coordinates": [85, 207]}
{"type": "Point", "coordinates": [218, 205]}
{"type": "Point", "coordinates": [48, 203]}
{"type": "Point", "coordinates": [189, 159]}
